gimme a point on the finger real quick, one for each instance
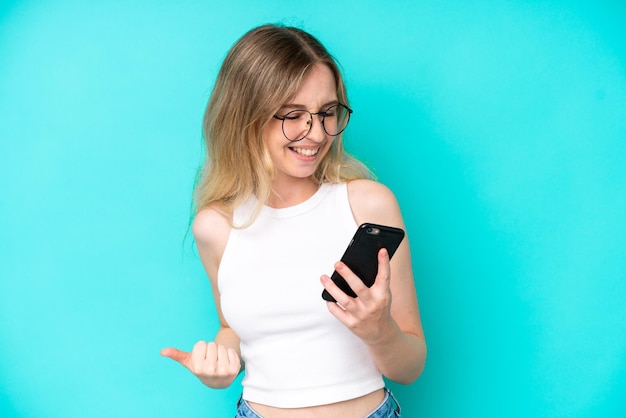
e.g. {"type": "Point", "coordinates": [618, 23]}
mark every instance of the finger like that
{"type": "Point", "coordinates": [354, 281]}
{"type": "Point", "coordinates": [383, 276]}
{"type": "Point", "coordinates": [223, 362]}
{"type": "Point", "coordinates": [233, 359]}
{"type": "Point", "coordinates": [211, 352]}
{"type": "Point", "coordinates": [181, 357]}
{"type": "Point", "coordinates": [335, 291]}
{"type": "Point", "coordinates": [339, 312]}
{"type": "Point", "coordinates": [198, 355]}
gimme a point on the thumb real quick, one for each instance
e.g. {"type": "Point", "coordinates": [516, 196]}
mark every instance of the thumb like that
{"type": "Point", "coordinates": [182, 357]}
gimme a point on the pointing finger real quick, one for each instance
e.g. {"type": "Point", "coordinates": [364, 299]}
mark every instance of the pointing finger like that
{"type": "Point", "coordinates": [181, 357]}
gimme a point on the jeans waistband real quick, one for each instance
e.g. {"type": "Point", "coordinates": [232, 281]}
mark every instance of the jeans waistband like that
{"type": "Point", "coordinates": [389, 407]}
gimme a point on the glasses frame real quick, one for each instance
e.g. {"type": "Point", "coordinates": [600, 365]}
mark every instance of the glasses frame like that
{"type": "Point", "coordinates": [322, 113]}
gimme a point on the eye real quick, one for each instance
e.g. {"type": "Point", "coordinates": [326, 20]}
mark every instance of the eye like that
{"type": "Point", "coordinates": [295, 115]}
{"type": "Point", "coordinates": [330, 112]}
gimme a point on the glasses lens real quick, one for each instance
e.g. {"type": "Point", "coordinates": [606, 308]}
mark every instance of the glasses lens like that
{"type": "Point", "coordinates": [336, 119]}
{"type": "Point", "coordinates": [296, 124]}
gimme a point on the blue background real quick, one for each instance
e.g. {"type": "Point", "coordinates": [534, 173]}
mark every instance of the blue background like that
{"type": "Point", "coordinates": [500, 125]}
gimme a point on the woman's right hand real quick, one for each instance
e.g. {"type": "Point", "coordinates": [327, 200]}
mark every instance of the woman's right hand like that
{"type": "Point", "coordinates": [215, 365]}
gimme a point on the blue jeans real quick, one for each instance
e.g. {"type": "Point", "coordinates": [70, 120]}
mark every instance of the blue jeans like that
{"type": "Point", "coordinates": [388, 408]}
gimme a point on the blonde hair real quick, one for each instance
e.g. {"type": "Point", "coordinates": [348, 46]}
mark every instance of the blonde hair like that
{"type": "Point", "coordinates": [261, 72]}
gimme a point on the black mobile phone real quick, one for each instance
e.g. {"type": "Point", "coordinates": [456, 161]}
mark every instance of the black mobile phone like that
{"type": "Point", "coordinates": [361, 256]}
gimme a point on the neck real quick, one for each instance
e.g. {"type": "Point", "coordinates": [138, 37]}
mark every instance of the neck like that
{"type": "Point", "coordinates": [291, 193]}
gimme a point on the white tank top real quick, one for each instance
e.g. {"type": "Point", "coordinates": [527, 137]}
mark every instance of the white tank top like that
{"type": "Point", "coordinates": [296, 353]}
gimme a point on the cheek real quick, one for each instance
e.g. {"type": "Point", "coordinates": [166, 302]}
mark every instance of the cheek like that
{"type": "Point", "coordinates": [331, 147]}
{"type": "Point", "coordinates": [265, 135]}
{"type": "Point", "coordinates": [272, 137]}
{"type": "Point", "coordinates": [272, 129]}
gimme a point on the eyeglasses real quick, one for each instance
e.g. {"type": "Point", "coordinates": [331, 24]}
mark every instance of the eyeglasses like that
{"type": "Point", "coordinates": [298, 123]}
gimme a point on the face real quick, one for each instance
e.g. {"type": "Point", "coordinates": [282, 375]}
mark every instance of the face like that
{"type": "Point", "coordinates": [299, 160]}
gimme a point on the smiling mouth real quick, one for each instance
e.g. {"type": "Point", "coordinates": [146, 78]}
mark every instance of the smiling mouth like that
{"type": "Point", "coordinates": [305, 151]}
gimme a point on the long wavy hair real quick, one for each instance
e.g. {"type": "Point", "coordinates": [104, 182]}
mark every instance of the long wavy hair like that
{"type": "Point", "coordinates": [261, 72]}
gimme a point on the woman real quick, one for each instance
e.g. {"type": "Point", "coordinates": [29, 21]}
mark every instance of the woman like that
{"type": "Point", "coordinates": [278, 201]}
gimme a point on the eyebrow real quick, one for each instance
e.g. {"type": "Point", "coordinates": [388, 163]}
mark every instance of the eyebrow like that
{"type": "Point", "coordinates": [301, 106]}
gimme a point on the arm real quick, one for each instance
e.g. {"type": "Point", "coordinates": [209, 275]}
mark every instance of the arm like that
{"type": "Point", "coordinates": [385, 316]}
{"type": "Point", "coordinates": [215, 363]}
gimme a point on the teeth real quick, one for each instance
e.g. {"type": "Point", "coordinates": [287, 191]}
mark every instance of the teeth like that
{"type": "Point", "coordinates": [306, 152]}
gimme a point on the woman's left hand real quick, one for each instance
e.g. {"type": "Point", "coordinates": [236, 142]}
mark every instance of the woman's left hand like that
{"type": "Point", "coordinates": [368, 315]}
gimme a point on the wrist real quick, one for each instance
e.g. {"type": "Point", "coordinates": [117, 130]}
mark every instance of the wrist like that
{"type": "Point", "coordinates": [388, 332]}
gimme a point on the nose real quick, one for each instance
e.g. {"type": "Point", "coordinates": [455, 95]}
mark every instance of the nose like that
{"type": "Point", "coordinates": [317, 133]}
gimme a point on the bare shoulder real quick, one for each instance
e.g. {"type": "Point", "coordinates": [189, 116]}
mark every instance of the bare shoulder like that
{"type": "Point", "coordinates": [211, 228]}
{"type": "Point", "coordinates": [209, 224]}
{"type": "Point", "coordinates": [373, 202]}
